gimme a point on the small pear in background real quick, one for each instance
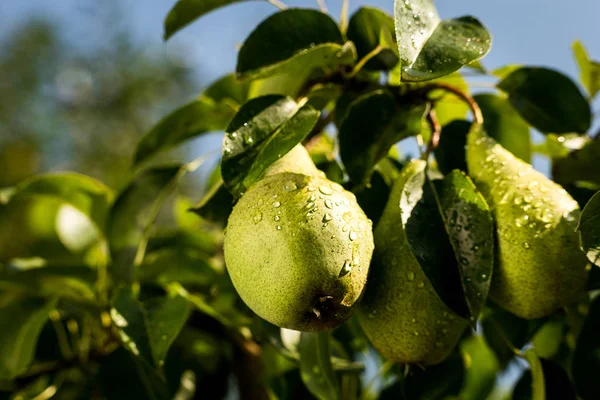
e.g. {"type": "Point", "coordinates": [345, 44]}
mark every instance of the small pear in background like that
{"type": "Point", "coordinates": [298, 247]}
{"type": "Point", "coordinates": [400, 312]}
{"type": "Point", "coordinates": [539, 267]}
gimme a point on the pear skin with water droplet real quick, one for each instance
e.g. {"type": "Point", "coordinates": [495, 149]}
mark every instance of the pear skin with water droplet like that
{"type": "Point", "coordinates": [400, 311]}
{"type": "Point", "coordinates": [539, 267]}
{"type": "Point", "coordinates": [304, 262]}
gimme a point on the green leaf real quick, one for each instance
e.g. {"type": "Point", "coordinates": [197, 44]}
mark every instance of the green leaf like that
{"type": "Point", "coordinates": [86, 194]}
{"type": "Point", "coordinates": [370, 29]}
{"type": "Point", "coordinates": [586, 357]}
{"type": "Point", "coordinates": [448, 107]}
{"type": "Point", "coordinates": [71, 282]}
{"type": "Point", "coordinates": [216, 205]}
{"type": "Point", "coordinates": [293, 38]}
{"type": "Point", "coordinates": [263, 131]}
{"type": "Point", "coordinates": [431, 48]}
{"type": "Point", "coordinates": [504, 71]}
{"type": "Point", "coordinates": [545, 380]}
{"type": "Point", "coordinates": [196, 118]}
{"type": "Point", "coordinates": [589, 70]}
{"type": "Point", "coordinates": [469, 225]}
{"type": "Point", "coordinates": [504, 124]}
{"type": "Point", "coordinates": [133, 213]}
{"type": "Point", "coordinates": [187, 266]}
{"type": "Point", "coordinates": [372, 125]}
{"type": "Point", "coordinates": [166, 317]}
{"type": "Point", "coordinates": [548, 339]}
{"type": "Point", "coordinates": [187, 11]}
{"type": "Point", "coordinates": [21, 323]}
{"type": "Point", "coordinates": [130, 320]}
{"type": "Point", "coordinates": [558, 108]}
{"type": "Point", "coordinates": [450, 152]}
{"type": "Point", "coordinates": [315, 365]}
{"type": "Point", "coordinates": [582, 165]}
{"type": "Point", "coordinates": [230, 90]}
{"type": "Point", "coordinates": [589, 229]}
{"type": "Point", "coordinates": [481, 367]}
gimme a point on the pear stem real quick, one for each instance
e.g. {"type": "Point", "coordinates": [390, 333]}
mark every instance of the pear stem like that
{"type": "Point", "coordinates": [467, 98]}
{"type": "Point", "coordinates": [436, 131]}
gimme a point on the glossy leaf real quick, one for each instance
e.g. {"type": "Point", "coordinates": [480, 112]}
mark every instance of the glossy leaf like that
{"type": "Point", "coordinates": [589, 70]}
{"type": "Point", "coordinates": [581, 165]}
{"type": "Point", "coordinates": [481, 367]}
{"type": "Point", "coordinates": [187, 11]}
{"type": "Point", "coordinates": [469, 225]}
{"type": "Point", "coordinates": [586, 357]}
{"type": "Point", "coordinates": [589, 229]}
{"type": "Point", "coordinates": [293, 37]}
{"type": "Point", "coordinates": [370, 29]}
{"type": "Point", "coordinates": [132, 214]}
{"type": "Point", "coordinates": [130, 319]}
{"type": "Point", "coordinates": [450, 152]}
{"type": "Point", "coordinates": [429, 240]}
{"type": "Point", "coordinates": [86, 194]}
{"type": "Point", "coordinates": [21, 322]}
{"type": "Point", "coordinates": [371, 126]}
{"type": "Point", "coordinates": [196, 118]}
{"type": "Point", "coordinates": [263, 131]}
{"type": "Point", "coordinates": [166, 317]}
{"type": "Point", "coordinates": [315, 365]}
{"type": "Point", "coordinates": [429, 47]}
{"type": "Point", "coordinates": [504, 124]}
{"type": "Point", "coordinates": [562, 109]}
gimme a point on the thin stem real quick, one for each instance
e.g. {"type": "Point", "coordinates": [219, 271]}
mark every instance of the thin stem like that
{"type": "Point", "coordinates": [436, 131]}
{"type": "Point", "coordinates": [344, 16]}
{"type": "Point", "coordinates": [384, 369]}
{"type": "Point", "coordinates": [322, 5]}
{"type": "Point", "coordinates": [61, 334]}
{"type": "Point", "coordinates": [359, 66]}
{"type": "Point", "coordinates": [467, 98]}
{"type": "Point", "coordinates": [278, 4]}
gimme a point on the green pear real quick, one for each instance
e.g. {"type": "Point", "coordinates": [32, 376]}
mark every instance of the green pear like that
{"type": "Point", "coordinates": [400, 312]}
{"type": "Point", "coordinates": [539, 267]}
{"type": "Point", "coordinates": [298, 247]}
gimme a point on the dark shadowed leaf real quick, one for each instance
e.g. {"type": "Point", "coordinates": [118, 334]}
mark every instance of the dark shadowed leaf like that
{"type": "Point", "coordinates": [196, 118]}
{"type": "Point", "coordinates": [372, 125]}
{"type": "Point", "coordinates": [290, 38]}
{"type": "Point", "coordinates": [130, 320]}
{"type": "Point", "coordinates": [450, 152]}
{"type": "Point", "coordinates": [21, 322]}
{"type": "Point", "coordinates": [586, 357]}
{"type": "Point", "coordinates": [315, 365]}
{"type": "Point", "coordinates": [132, 214]}
{"type": "Point", "coordinates": [504, 124]}
{"type": "Point", "coordinates": [589, 70]}
{"type": "Point", "coordinates": [187, 11]}
{"type": "Point", "coordinates": [431, 48]}
{"type": "Point", "coordinates": [582, 165]}
{"type": "Point", "coordinates": [558, 108]}
{"type": "Point", "coordinates": [481, 367]}
{"type": "Point", "coordinates": [434, 382]}
{"type": "Point", "coordinates": [216, 205]}
{"type": "Point", "coordinates": [86, 194]}
{"type": "Point", "coordinates": [263, 131]}
{"type": "Point", "coordinates": [469, 225]}
{"type": "Point", "coordinates": [428, 238]}
{"type": "Point", "coordinates": [500, 325]}
{"type": "Point", "coordinates": [589, 229]}
{"type": "Point", "coordinates": [545, 380]}
{"type": "Point", "coordinates": [370, 29]}
{"type": "Point", "coordinates": [122, 376]}
{"type": "Point", "coordinates": [166, 316]}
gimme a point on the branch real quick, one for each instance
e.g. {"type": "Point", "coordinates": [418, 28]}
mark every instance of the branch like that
{"type": "Point", "coordinates": [477, 115]}
{"type": "Point", "coordinates": [436, 131]}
